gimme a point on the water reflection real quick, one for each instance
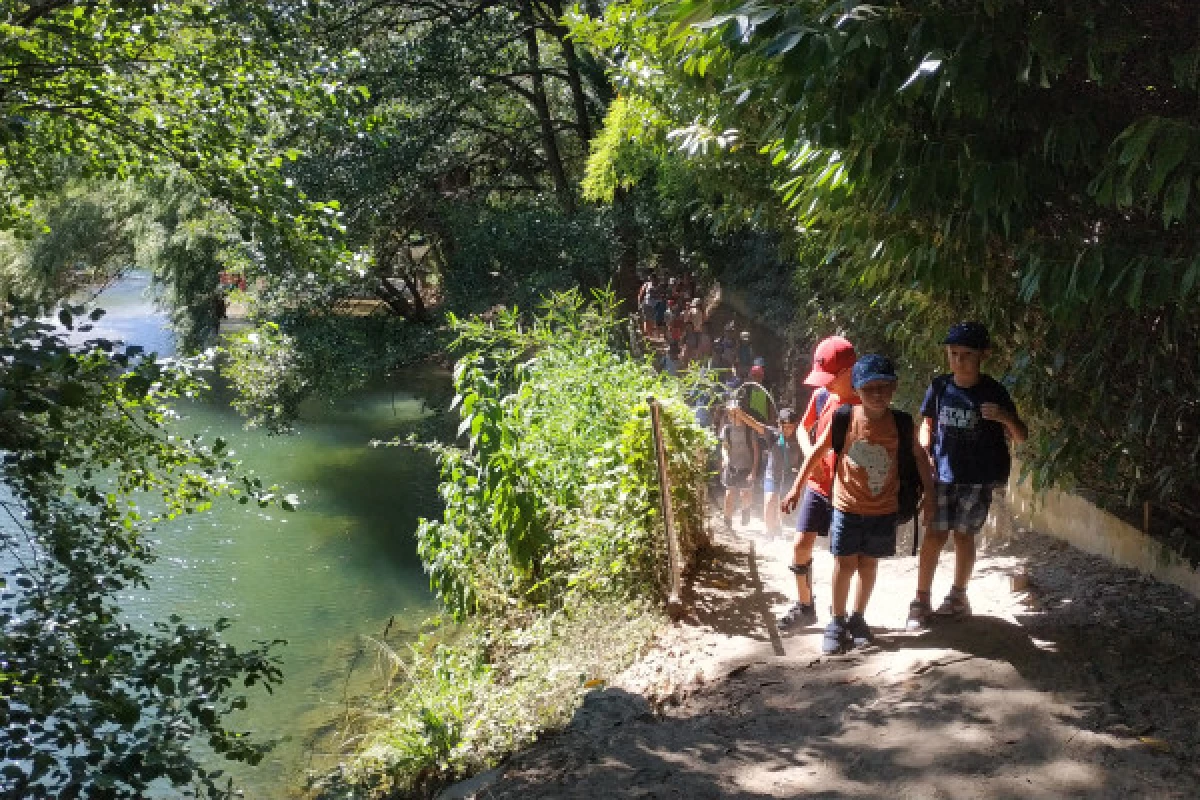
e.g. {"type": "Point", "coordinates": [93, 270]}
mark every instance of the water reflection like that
{"type": "Point", "coordinates": [322, 577]}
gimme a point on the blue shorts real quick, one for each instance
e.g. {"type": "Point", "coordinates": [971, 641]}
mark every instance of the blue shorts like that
{"type": "Point", "coordinates": [962, 507]}
{"type": "Point", "coordinates": [857, 535]}
{"type": "Point", "coordinates": [815, 513]}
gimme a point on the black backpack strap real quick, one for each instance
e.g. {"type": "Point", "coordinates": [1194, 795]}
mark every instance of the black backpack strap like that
{"type": "Point", "coordinates": [906, 464]}
{"type": "Point", "coordinates": [839, 426]}
{"type": "Point", "coordinates": [904, 427]}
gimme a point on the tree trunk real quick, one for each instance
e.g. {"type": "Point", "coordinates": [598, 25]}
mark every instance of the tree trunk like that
{"type": "Point", "coordinates": [538, 87]}
{"type": "Point", "coordinates": [583, 121]}
{"type": "Point", "coordinates": [625, 232]}
{"type": "Point", "coordinates": [394, 299]}
{"type": "Point", "coordinates": [420, 312]}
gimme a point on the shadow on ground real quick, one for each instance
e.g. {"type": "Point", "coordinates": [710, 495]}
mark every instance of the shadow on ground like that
{"type": "Point", "coordinates": [1094, 692]}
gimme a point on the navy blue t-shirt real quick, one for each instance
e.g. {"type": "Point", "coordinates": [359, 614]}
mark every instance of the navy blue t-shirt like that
{"type": "Point", "coordinates": [966, 447]}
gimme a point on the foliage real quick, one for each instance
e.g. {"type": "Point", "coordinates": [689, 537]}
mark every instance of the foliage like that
{"type": "Point", "coordinates": [465, 698]}
{"type": "Point", "coordinates": [516, 254]}
{"type": "Point", "coordinates": [1028, 164]}
{"type": "Point", "coordinates": [91, 706]}
{"type": "Point", "coordinates": [276, 366]}
{"type": "Point", "coordinates": [555, 492]}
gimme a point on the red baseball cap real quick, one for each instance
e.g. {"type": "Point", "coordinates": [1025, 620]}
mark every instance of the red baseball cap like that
{"type": "Point", "coordinates": [832, 355]}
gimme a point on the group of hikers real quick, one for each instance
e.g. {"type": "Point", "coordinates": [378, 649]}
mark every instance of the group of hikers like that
{"type": "Point", "coordinates": [672, 309]}
{"type": "Point", "coordinates": [853, 468]}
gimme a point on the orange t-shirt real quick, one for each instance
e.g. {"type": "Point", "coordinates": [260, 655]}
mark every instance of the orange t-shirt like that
{"type": "Point", "coordinates": [868, 478]}
{"type": "Point", "coordinates": [821, 480]}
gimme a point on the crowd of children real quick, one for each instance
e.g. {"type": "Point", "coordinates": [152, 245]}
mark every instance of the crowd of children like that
{"type": "Point", "coordinates": [867, 467]}
{"type": "Point", "coordinates": [852, 468]}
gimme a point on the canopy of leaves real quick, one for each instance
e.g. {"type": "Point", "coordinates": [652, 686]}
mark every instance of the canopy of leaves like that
{"type": "Point", "coordinates": [1028, 163]}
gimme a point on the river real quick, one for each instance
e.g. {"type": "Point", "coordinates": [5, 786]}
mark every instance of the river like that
{"type": "Point", "coordinates": [323, 577]}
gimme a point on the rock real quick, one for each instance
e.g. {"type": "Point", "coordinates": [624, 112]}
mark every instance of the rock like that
{"type": "Point", "coordinates": [472, 787]}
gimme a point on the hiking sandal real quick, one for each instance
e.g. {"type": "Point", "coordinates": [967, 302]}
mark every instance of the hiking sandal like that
{"type": "Point", "coordinates": [919, 614]}
{"type": "Point", "coordinates": [956, 605]}
{"type": "Point", "coordinates": [798, 615]}
{"type": "Point", "coordinates": [836, 639]}
{"type": "Point", "coordinates": [860, 631]}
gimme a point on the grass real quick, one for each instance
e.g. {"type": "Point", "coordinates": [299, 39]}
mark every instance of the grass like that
{"type": "Point", "coordinates": [467, 696]}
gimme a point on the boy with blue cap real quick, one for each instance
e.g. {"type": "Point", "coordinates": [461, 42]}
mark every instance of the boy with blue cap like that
{"type": "Point", "coordinates": [873, 442]}
{"type": "Point", "coordinates": [968, 419]}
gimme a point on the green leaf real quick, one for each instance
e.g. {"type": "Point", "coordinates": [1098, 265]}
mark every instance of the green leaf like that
{"type": "Point", "coordinates": [1175, 201]}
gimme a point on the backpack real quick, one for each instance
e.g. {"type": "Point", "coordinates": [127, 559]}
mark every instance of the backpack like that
{"type": "Point", "coordinates": [911, 489]}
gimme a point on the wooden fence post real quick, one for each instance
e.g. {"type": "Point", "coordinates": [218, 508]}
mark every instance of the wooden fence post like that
{"type": "Point", "coordinates": [674, 604]}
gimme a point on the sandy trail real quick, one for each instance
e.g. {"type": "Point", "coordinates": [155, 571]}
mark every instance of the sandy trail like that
{"type": "Point", "coordinates": [1087, 685]}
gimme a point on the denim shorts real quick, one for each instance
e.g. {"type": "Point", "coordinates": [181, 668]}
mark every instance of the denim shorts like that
{"type": "Point", "coordinates": [962, 507]}
{"type": "Point", "coordinates": [857, 535]}
{"type": "Point", "coordinates": [815, 513]}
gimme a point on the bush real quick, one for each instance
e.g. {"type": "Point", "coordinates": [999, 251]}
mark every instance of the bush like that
{"type": "Point", "coordinates": [549, 554]}
{"type": "Point", "coordinates": [556, 489]}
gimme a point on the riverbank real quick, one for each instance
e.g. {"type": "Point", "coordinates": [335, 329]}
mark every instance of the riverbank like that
{"type": "Point", "coordinates": [1083, 683]}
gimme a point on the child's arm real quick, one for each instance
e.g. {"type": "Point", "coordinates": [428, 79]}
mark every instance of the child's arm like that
{"type": "Point", "coordinates": [757, 426]}
{"type": "Point", "coordinates": [925, 471]}
{"type": "Point", "coordinates": [811, 459]}
{"type": "Point", "coordinates": [925, 440]}
{"type": "Point", "coordinates": [1014, 426]}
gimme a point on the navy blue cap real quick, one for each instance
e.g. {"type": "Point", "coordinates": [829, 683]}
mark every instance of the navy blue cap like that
{"type": "Point", "coordinates": [969, 334]}
{"type": "Point", "coordinates": [872, 368]}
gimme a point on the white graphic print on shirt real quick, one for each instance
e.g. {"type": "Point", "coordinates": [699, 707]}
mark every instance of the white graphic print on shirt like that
{"type": "Point", "coordinates": [959, 418]}
{"type": "Point", "coordinates": [874, 459]}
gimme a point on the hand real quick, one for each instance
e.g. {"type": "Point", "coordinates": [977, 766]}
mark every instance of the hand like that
{"type": "Point", "coordinates": [789, 502]}
{"type": "Point", "coordinates": [995, 413]}
{"type": "Point", "coordinates": [928, 507]}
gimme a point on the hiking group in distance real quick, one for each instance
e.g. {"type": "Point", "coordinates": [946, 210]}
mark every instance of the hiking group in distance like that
{"type": "Point", "coordinates": [853, 468]}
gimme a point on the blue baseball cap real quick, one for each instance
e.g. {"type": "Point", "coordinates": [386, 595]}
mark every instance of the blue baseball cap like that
{"type": "Point", "coordinates": [969, 334]}
{"type": "Point", "coordinates": [872, 368]}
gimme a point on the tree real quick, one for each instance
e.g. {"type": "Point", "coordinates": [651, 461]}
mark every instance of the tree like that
{"type": "Point", "coordinates": [91, 706]}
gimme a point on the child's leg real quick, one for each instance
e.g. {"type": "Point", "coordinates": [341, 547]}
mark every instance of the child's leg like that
{"type": "Point", "coordinates": [771, 512]}
{"type": "Point", "coordinates": [964, 558]}
{"type": "Point", "coordinates": [802, 547]}
{"type": "Point", "coordinates": [868, 568]}
{"type": "Point", "coordinates": [730, 492]}
{"type": "Point", "coordinates": [844, 568]}
{"type": "Point", "coordinates": [931, 550]}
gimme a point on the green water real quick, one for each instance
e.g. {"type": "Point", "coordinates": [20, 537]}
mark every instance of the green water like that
{"type": "Point", "coordinates": [322, 577]}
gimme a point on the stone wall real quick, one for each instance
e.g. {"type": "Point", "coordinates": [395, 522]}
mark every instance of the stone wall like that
{"type": "Point", "coordinates": [1077, 521]}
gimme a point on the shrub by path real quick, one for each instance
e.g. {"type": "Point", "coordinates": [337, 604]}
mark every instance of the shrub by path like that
{"type": "Point", "coordinates": [1087, 685]}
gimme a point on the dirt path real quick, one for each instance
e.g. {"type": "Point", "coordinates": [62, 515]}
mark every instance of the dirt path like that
{"type": "Point", "coordinates": [1087, 685]}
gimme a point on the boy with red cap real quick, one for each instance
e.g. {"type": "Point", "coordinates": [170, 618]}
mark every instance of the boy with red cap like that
{"type": "Point", "coordinates": [968, 419]}
{"type": "Point", "coordinates": [833, 361]}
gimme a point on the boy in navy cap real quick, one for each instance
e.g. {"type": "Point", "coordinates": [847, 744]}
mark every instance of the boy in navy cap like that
{"type": "Point", "coordinates": [871, 441]}
{"type": "Point", "coordinates": [968, 419]}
